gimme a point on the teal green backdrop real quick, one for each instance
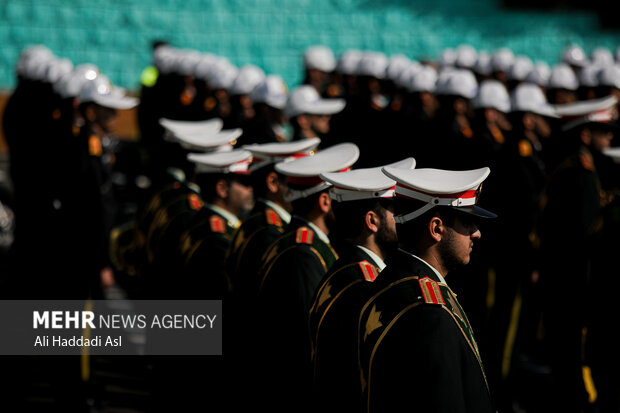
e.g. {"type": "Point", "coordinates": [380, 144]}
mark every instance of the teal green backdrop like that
{"type": "Point", "coordinates": [116, 34]}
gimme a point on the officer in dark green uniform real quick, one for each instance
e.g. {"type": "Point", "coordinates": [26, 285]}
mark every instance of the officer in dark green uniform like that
{"type": "Point", "coordinates": [270, 216]}
{"type": "Point", "coordinates": [290, 272]}
{"type": "Point", "coordinates": [263, 226]}
{"type": "Point", "coordinates": [226, 189]}
{"type": "Point", "coordinates": [416, 345]}
{"type": "Point", "coordinates": [173, 193]}
{"type": "Point", "coordinates": [93, 202]}
{"type": "Point", "coordinates": [364, 212]}
{"type": "Point", "coordinates": [585, 178]}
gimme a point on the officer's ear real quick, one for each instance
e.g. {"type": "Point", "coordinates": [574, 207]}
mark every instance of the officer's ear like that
{"type": "Point", "coordinates": [273, 182]}
{"type": "Point", "coordinates": [303, 121]}
{"type": "Point", "coordinates": [89, 113]}
{"type": "Point", "coordinates": [221, 188]}
{"type": "Point", "coordinates": [585, 136]}
{"type": "Point", "coordinates": [372, 221]}
{"type": "Point", "coordinates": [324, 202]}
{"type": "Point", "coordinates": [436, 228]}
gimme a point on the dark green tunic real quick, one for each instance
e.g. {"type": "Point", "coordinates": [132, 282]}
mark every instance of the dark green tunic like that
{"type": "Point", "coordinates": [417, 350]}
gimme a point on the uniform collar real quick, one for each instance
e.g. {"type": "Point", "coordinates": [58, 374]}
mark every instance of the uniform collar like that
{"type": "Point", "coordinates": [284, 214]}
{"type": "Point", "coordinates": [323, 236]}
{"type": "Point", "coordinates": [439, 276]}
{"type": "Point", "coordinates": [375, 257]}
{"type": "Point", "coordinates": [228, 216]}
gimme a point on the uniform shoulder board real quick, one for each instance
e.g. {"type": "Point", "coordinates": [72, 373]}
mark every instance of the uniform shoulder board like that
{"type": "Point", "coordinates": [430, 291]}
{"type": "Point", "coordinates": [272, 217]}
{"type": "Point", "coordinates": [195, 202]}
{"type": "Point", "coordinates": [586, 161]}
{"type": "Point", "coordinates": [217, 224]}
{"type": "Point", "coordinates": [304, 235]}
{"type": "Point", "coordinates": [370, 271]}
{"type": "Point", "coordinates": [525, 148]}
{"type": "Point", "coordinates": [94, 145]}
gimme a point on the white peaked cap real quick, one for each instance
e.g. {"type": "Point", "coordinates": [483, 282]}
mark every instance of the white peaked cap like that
{"type": "Point", "coordinates": [269, 153]}
{"type": "Point", "coordinates": [483, 63]}
{"type": "Point", "coordinates": [69, 85]}
{"type": "Point", "coordinates": [373, 64]}
{"type": "Point", "coordinates": [502, 59]}
{"type": "Point", "coordinates": [396, 64]}
{"type": "Point", "coordinates": [601, 111]}
{"type": "Point", "coordinates": [520, 68]}
{"type": "Point", "coordinates": [101, 91]}
{"type": "Point", "coordinates": [610, 76]}
{"type": "Point", "coordinates": [348, 62]}
{"type": "Point", "coordinates": [271, 90]}
{"type": "Point", "coordinates": [492, 94]}
{"type": "Point", "coordinates": [563, 77]}
{"type": "Point", "coordinates": [247, 79]}
{"type": "Point", "coordinates": [602, 56]}
{"type": "Point", "coordinates": [236, 161]}
{"type": "Point", "coordinates": [364, 183]}
{"type": "Point", "coordinates": [439, 187]}
{"type": "Point", "coordinates": [528, 97]}
{"type": "Point", "coordinates": [539, 74]}
{"type": "Point", "coordinates": [588, 75]}
{"type": "Point", "coordinates": [304, 173]}
{"type": "Point", "coordinates": [466, 56]}
{"type": "Point", "coordinates": [613, 153]}
{"type": "Point", "coordinates": [319, 57]}
{"type": "Point", "coordinates": [57, 69]}
{"type": "Point", "coordinates": [424, 80]}
{"type": "Point", "coordinates": [459, 82]}
{"type": "Point", "coordinates": [188, 127]}
{"type": "Point", "coordinates": [306, 100]}
{"type": "Point", "coordinates": [574, 55]}
{"type": "Point", "coordinates": [207, 140]}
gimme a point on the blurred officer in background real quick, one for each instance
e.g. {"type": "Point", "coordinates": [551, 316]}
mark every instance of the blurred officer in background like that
{"type": "Point", "coordinates": [364, 212]}
{"type": "Point", "coordinates": [562, 86]}
{"type": "Point", "coordinates": [309, 114]}
{"type": "Point", "coordinates": [263, 226]}
{"type": "Point", "coordinates": [94, 203]}
{"type": "Point", "coordinates": [584, 178]}
{"type": "Point", "coordinates": [270, 216]}
{"type": "Point", "coordinates": [319, 64]}
{"type": "Point", "coordinates": [519, 168]}
{"type": "Point", "coordinates": [416, 344]}
{"type": "Point", "coordinates": [269, 123]}
{"type": "Point", "coordinates": [225, 187]}
{"type": "Point", "coordinates": [455, 90]}
{"type": "Point", "coordinates": [248, 77]}
{"type": "Point", "coordinates": [290, 272]}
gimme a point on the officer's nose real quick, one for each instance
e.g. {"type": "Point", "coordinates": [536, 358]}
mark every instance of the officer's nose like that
{"type": "Point", "coordinates": [475, 232]}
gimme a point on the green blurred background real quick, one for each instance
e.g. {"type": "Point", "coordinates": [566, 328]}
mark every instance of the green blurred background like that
{"type": "Point", "coordinates": [116, 35]}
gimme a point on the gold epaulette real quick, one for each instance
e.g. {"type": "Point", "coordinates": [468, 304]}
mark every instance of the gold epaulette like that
{"type": "Point", "coordinates": [430, 291]}
{"type": "Point", "coordinates": [217, 223]}
{"type": "Point", "coordinates": [304, 235]}
{"type": "Point", "coordinates": [525, 148]}
{"type": "Point", "coordinates": [370, 271]}
{"type": "Point", "coordinates": [94, 145]}
{"type": "Point", "coordinates": [272, 217]}
{"type": "Point", "coordinates": [195, 202]}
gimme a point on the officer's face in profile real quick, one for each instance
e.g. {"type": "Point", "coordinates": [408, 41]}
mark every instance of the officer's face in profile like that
{"type": "Point", "coordinates": [457, 242]}
{"type": "Point", "coordinates": [319, 123]}
{"type": "Point", "coordinates": [601, 139]}
{"type": "Point", "coordinates": [386, 235]}
{"type": "Point", "coordinates": [240, 197]}
{"type": "Point", "coordinates": [106, 118]}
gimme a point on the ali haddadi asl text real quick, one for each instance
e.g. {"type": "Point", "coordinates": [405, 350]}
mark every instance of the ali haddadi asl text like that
{"type": "Point", "coordinates": [78, 341]}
